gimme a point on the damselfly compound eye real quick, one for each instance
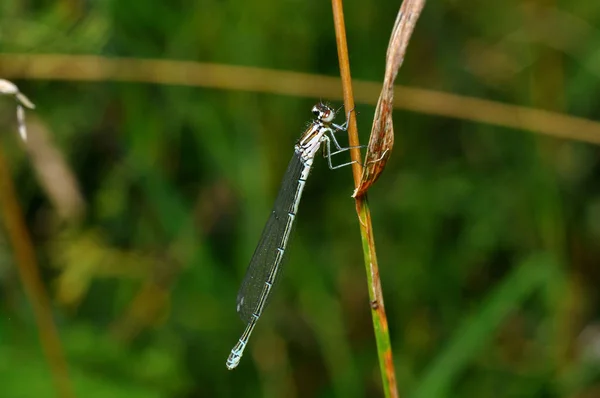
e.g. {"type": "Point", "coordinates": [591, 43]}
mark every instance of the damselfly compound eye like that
{"type": "Point", "coordinates": [323, 112]}
{"type": "Point", "coordinates": [327, 114]}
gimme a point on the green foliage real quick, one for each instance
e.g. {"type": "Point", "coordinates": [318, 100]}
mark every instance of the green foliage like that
{"type": "Point", "coordinates": [487, 237]}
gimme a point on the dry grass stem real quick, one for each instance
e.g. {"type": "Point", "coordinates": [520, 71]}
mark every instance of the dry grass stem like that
{"type": "Point", "coordinates": [25, 260]}
{"type": "Point", "coordinates": [378, 315]}
{"type": "Point", "coordinates": [228, 77]}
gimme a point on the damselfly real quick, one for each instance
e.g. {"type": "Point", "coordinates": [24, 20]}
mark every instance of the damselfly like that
{"type": "Point", "coordinates": [265, 265]}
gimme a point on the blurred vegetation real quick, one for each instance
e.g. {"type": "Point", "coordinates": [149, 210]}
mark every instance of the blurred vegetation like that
{"type": "Point", "coordinates": [488, 238]}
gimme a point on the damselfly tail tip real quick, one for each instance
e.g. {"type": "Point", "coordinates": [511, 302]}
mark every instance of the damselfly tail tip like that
{"type": "Point", "coordinates": [236, 355]}
{"type": "Point", "coordinates": [233, 361]}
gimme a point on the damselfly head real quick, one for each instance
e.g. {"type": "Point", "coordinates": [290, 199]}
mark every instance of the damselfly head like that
{"type": "Point", "coordinates": [323, 112]}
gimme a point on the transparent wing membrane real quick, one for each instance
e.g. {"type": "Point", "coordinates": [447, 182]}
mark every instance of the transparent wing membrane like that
{"type": "Point", "coordinates": [267, 260]}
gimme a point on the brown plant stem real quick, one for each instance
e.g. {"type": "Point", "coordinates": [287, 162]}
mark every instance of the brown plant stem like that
{"type": "Point", "coordinates": [380, 325]}
{"type": "Point", "coordinates": [30, 277]}
{"type": "Point", "coordinates": [241, 78]}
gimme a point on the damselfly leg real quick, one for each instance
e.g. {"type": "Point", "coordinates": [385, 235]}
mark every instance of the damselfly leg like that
{"type": "Point", "coordinates": [328, 154]}
{"type": "Point", "coordinates": [380, 158]}
{"type": "Point", "coordinates": [344, 126]}
{"type": "Point", "coordinates": [337, 127]}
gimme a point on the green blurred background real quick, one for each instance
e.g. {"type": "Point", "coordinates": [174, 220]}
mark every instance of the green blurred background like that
{"type": "Point", "coordinates": [488, 237]}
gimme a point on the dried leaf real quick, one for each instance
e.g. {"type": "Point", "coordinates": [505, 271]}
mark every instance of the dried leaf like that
{"type": "Point", "coordinates": [53, 171]}
{"type": "Point", "coordinates": [381, 141]}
